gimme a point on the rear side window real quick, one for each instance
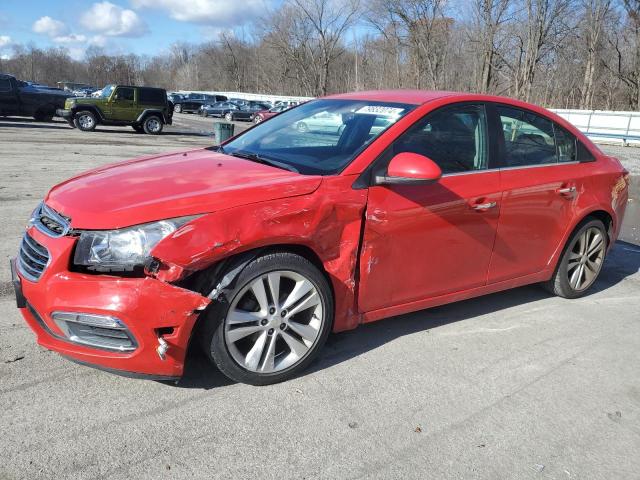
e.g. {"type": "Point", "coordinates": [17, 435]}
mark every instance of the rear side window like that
{"type": "Point", "coordinates": [151, 96]}
{"type": "Point", "coordinates": [528, 138]}
{"type": "Point", "coordinates": [566, 144]}
{"type": "Point", "coordinates": [5, 85]}
{"type": "Point", "coordinates": [455, 138]}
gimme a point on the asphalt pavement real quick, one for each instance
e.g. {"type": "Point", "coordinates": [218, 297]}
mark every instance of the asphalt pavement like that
{"type": "Point", "coordinates": [517, 385]}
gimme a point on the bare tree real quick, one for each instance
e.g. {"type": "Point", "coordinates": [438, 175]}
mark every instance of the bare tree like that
{"type": "Point", "coordinates": [593, 26]}
{"type": "Point", "coordinates": [490, 17]}
{"type": "Point", "coordinates": [541, 27]}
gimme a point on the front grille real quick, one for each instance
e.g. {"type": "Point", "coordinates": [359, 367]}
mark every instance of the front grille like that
{"type": "Point", "coordinates": [50, 222]}
{"type": "Point", "coordinates": [33, 258]}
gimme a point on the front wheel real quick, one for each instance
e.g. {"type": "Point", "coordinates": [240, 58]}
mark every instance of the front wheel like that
{"type": "Point", "coordinates": [257, 119]}
{"type": "Point", "coordinates": [273, 323]}
{"type": "Point", "coordinates": [581, 261]}
{"type": "Point", "coordinates": [85, 121]}
{"type": "Point", "coordinates": [178, 108]}
{"type": "Point", "coordinates": [152, 125]}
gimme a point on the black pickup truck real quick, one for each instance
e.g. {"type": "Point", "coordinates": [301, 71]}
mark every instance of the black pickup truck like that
{"type": "Point", "coordinates": [19, 99]}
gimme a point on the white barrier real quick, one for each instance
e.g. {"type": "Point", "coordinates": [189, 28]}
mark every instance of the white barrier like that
{"type": "Point", "coordinates": [605, 126]}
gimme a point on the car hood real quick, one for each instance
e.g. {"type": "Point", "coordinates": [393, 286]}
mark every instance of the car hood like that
{"type": "Point", "coordinates": [169, 186]}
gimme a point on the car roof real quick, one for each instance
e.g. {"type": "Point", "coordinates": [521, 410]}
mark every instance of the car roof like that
{"type": "Point", "coordinates": [415, 97]}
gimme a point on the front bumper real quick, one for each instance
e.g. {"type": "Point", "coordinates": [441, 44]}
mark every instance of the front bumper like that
{"type": "Point", "coordinates": [66, 114]}
{"type": "Point", "coordinates": [148, 307]}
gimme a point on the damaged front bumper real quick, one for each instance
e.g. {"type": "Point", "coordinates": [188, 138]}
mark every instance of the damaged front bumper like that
{"type": "Point", "coordinates": [134, 326]}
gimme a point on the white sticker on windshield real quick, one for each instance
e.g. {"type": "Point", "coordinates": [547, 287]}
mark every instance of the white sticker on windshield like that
{"type": "Point", "coordinates": [380, 110]}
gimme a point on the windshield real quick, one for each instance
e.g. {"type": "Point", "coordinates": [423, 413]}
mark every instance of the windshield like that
{"type": "Point", "coordinates": [106, 91]}
{"type": "Point", "coordinates": [320, 137]}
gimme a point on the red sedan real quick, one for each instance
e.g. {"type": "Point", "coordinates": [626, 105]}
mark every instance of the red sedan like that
{"type": "Point", "coordinates": [259, 248]}
{"type": "Point", "coordinates": [264, 114]}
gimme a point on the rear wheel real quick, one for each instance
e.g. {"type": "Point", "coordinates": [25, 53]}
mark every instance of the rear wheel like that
{"type": "Point", "coordinates": [152, 125]}
{"type": "Point", "coordinates": [178, 108]}
{"type": "Point", "coordinates": [228, 117]}
{"type": "Point", "coordinates": [276, 320]}
{"type": "Point", "coordinates": [581, 261]}
{"type": "Point", "coordinates": [257, 119]}
{"type": "Point", "coordinates": [85, 120]}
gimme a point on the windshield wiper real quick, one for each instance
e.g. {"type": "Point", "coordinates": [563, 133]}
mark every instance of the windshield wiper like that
{"type": "Point", "coordinates": [254, 157]}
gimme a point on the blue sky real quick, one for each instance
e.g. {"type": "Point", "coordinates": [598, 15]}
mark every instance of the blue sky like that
{"type": "Point", "coordinates": [122, 26]}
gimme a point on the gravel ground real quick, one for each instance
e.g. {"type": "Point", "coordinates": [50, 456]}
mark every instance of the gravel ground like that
{"type": "Point", "coordinates": [516, 385]}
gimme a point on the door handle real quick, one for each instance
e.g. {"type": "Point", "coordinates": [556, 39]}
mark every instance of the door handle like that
{"type": "Point", "coordinates": [483, 207]}
{"type": "Point", "coordinates": [566, 191]}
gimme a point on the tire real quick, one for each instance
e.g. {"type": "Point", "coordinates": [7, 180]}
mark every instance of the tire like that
{"type": "Point", "coordinates": [271, 328]}
{"type": "Point", "coordinates": [581, 261]}
{"type": "Point", "coordinates": [138, 128]}
{"type": "Point", "coordinates": [257, 119]}
{"type": "Point", "coordinates": [152, 125]}
{"type": "Point", "coordinates": [43, 116]}
{"type": "Point", "coordinates": [302, 127]}
{"type": "Point", "coordinates": [178, 108]}
{"type": "Point", "coordinates": [85, 120]}
{"type": "Point", "coordinates": [228, 117]}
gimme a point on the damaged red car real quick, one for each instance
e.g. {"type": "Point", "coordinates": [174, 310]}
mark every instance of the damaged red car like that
{"type": "Point", "coordinates": [256, 250]}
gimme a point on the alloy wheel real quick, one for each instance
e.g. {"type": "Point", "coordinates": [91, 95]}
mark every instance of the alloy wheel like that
{"type": "Point", "coordinates": [274, 321]}
{"type": "Point", "coordinates": [586, 258]}
{"type": "Point", "coordinates": [86, 121]}
{"type": "Point", "coordinates": [153, 125]}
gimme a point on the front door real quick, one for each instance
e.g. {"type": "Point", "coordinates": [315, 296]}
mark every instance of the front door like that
{"type": "Point", "coordinates": [429, 240]}
{"type": "Point", "coordinates": [123, 105]}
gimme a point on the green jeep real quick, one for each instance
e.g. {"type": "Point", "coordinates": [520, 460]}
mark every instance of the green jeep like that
{"type": "Point", "coordinates": [143, 108]}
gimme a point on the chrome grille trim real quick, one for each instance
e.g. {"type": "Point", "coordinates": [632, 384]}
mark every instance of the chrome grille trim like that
{"type": "Point", "coordinates": [33, 258]}
{"type": "Point", "coordinates": [50, 222]}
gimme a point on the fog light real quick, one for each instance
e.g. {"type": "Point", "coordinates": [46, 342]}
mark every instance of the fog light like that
{"type": "Point", "coordinates": [99, 331]}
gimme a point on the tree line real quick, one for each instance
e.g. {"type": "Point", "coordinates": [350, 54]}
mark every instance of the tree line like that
{"type": "Point", "coordinates": [558, 53]}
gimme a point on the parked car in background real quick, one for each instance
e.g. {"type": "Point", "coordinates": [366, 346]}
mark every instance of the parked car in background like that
{"type": "Point", "coordinates": [286, 103]}
{"type": "Point", "coordinates": [219, 109]}
{"type": "Point", "coordinates": [17, 98]}
{"type": "Point", "coordinates": [84, 92]}
{"type": "Point", "coordinates": [245, 112]}
{"type": "Point", "coordinates": [192, 102]}
{"type": "Point", "coordinates": [321, 122]}
{"type": "Point", "coordinates": [174, 97]}
{"type": "Point", "coordinates": [268, 113]}
{"type": "Point", "coordinates": [145, 109]}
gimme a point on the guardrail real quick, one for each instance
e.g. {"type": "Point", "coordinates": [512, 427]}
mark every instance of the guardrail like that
{"type": "Point", "coordinates": [605, 126]}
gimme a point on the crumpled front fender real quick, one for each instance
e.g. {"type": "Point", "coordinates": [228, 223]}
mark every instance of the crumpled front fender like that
{"type": "Point", "coordinates": [327, 221]}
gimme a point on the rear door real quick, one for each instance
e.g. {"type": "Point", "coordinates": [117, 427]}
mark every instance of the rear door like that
{"type": "Point", "coordinates": [541, 181]}
{"type": "Point", "coordinates": [423, 241]}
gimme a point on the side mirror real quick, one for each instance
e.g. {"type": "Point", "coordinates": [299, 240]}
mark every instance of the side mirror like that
{"type": "Point", "coordinates": [408, 168]}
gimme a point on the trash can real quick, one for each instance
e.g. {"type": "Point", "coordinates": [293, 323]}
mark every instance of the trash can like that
{"type": "Point", "coordinates": [222, 131]}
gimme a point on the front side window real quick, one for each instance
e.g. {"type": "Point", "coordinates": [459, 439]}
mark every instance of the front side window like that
{"type": "Point", "coordinates": [320, 137]}
{"type": "Point", "coordinates": [453, 137]}
{"type": "Point", "coordinates": [528, 138]}
{"type": "Point", "coordinates": [127, 94]}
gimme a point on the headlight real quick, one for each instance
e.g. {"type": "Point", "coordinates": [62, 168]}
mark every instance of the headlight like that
{"type": "Point", "coordinates": [123, 249]}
